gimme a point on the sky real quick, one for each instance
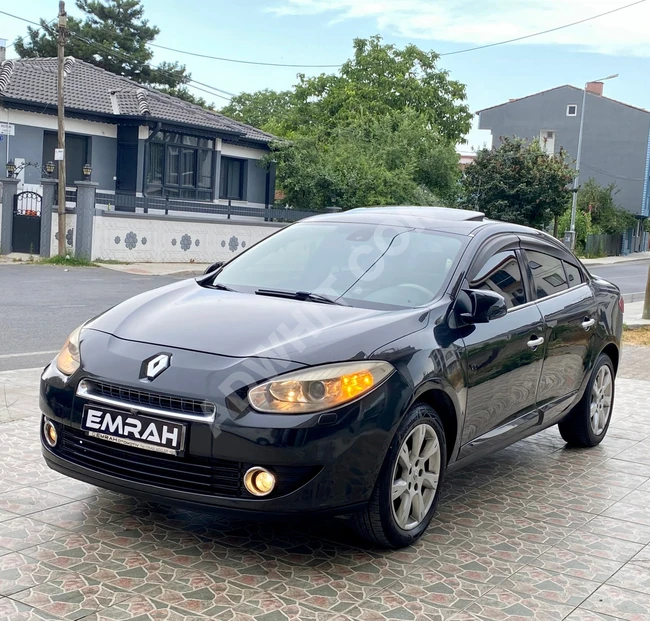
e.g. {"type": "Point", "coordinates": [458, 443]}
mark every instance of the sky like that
{"type": "Point", "coordinates": [320, 32]}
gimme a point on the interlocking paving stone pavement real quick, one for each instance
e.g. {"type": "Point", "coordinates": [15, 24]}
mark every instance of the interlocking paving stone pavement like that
{"type": "Point", "coordinates": [536, 532]}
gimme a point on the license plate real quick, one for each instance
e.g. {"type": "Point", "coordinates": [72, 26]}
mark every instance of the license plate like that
{"type": "Point", "coordinates": [133, 430]}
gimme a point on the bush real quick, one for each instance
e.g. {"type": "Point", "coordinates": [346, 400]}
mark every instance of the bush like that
{"type": "Point", "coordinates": [583, 227]}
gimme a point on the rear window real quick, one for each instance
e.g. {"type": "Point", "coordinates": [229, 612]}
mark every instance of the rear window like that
{"type": "Point", "coordinates": [548, 273]}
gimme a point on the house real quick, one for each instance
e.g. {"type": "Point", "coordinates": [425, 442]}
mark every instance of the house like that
{"type": "Point", "coordinates": [144, 147]}
{"type": "Point", "coordinates": [615, 145]}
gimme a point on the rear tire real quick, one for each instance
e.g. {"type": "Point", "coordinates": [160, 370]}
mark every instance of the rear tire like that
{"type": "Point", "coordinates": [587, 423]}
{"type": "Point", "coordinates": [407, 491]}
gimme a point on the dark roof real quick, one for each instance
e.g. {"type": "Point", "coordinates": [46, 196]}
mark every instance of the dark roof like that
{"type": "Point", "coordinates": [98, 92]}
{"type": "Point", "coordinates": [460, 221]}
{"type": "Point", "coordinates": [548, 90]}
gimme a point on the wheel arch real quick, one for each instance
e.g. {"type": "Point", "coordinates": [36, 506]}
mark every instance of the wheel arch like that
{"type": "Point", "coordinates": [443, 404]}
{"type": "Point", "coordinates": [612, 350]}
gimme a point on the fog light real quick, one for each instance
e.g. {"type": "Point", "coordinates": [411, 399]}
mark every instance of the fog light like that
{"type": "Point", "coordinates": [259, 481]}
{"type": "Point", "coordinates": [49, 431]}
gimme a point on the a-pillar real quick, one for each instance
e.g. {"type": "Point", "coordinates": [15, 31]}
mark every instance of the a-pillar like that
{"type": "Point", "coordinates": [85, 211]}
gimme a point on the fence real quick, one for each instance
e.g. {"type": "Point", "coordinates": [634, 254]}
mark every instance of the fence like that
{"type": "Point", "coordinates": [157, 205]}
{"type": "Point", "coordinates": [603, 245]}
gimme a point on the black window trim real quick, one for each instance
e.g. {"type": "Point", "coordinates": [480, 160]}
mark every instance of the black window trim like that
{"type": "Point", "coordinates": [243, 178]}
{"type": "Point", "coordinates": [556, 251]}
{"type": "Point", "coordinates": [501, 242]}
{"type": "Point", "coordinates": [179, 187]}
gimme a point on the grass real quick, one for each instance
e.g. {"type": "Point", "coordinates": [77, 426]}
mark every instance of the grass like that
{"type": "Point", "coordinates": [67, 261]}
{"type": "Point", "coordinates": [111, 262]}
{"type": "Point", "coordinates": [636, 336]}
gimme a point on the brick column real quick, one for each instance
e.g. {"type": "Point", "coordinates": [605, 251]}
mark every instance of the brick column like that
{"type": "Point", "coordinates": [47, 206]}
{"type": "Point", "coordinates": [9, 190]}
{"type": "Point", "coordinates": [85, 211]}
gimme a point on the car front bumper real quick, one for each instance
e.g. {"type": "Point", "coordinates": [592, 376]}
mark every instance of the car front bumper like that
{"type": "Point", "coordinates": [325, 462]}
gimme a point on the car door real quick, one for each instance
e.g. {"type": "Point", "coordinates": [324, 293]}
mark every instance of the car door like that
{"type": "Point", "coordinates": [568, 307]}
{"type": "Point", "coordinates": [503, 357]}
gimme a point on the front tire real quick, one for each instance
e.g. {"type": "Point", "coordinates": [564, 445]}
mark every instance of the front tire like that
{"type": "Point", "coordinates": [587, 423]}
{"type": "Point", "coordinates": [407, 491]}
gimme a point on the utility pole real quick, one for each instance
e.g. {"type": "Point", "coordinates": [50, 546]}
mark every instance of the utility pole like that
{"type": "Point", "coordinates": [61, 126]}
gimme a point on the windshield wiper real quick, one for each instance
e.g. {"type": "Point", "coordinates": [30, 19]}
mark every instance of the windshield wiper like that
{"type": "Point", "coordinates": [299, 295]}
{"type": "Point", "coordinates": [218, 285]}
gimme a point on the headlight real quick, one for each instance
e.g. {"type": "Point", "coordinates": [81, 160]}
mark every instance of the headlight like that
{"type": "Point", "coordinates": [67, 360]}
{"type": "Point", "coordinates": [319, 388]}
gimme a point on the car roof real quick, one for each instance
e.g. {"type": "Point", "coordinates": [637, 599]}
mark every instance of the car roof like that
{"type": "Point", "coordinates": [461, 221]}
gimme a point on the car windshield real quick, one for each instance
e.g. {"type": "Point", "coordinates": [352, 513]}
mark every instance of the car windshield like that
{"type": "Point", "coordinates": [357, 264]}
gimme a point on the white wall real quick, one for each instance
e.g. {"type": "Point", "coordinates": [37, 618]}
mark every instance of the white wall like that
{"type": "Point", "coordinates": [49, 121]}
{"type": "Point", "coordinates": [70, 221]}
{"type": "Point", "coordinates": [146, 240]}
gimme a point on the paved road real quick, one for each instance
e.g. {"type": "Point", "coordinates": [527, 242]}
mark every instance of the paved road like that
{"type": "Point", "coordinates": [630, 277]}
{"type": "Point", "coordinates": [41, 304]}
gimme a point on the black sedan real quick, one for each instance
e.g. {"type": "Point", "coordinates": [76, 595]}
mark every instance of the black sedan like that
{"type": "Point", "coordinates": [342, 365]}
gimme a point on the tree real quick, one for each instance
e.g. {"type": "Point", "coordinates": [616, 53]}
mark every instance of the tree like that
{"type": "Point", "coordinates": [606, 216]}
{"type": "Point", "coordinates": [378, 80]}
{"type": "Point", "coordinates": [266, 109]}
{"type": "Point", "coordinates": [112, 35]}
{"type": "Point", "coordinates": [518, 182]}
{"type": "Point", "coordinates": [391, 159]}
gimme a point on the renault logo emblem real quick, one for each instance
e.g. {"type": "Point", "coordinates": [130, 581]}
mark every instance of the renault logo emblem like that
{"type": "Point", "coordinates": [153, 367]}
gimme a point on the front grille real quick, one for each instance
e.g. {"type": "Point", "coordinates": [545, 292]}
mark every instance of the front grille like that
{"type": "Point", "coordinates": [199, 475]}
{"type": "Point", "coordinates": [188, 474]}
{"type": "Point", "coordinates": [132, 398]}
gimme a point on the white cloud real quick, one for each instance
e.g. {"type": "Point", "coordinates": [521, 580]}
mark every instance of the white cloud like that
{"type": "Point", "coordinates": [480, 22]}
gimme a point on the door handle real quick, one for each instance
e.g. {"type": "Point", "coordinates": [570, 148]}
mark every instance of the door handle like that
{"type": "Point", "coordinates": [587, 323]}
{"type": "Point", "coordinates": [534, 343]}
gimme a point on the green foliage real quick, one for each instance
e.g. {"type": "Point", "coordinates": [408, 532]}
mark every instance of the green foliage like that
{"type": "Point", "coordinates": [584, 227]}
{"type": "Point", "coordinates": [378, 80]}
{"type": "Point", "coordinates": [382, 130]}
{"type": "Point", "coordinates": [265, 109]}
{"type": "Point", "coordinates": [392, 159]}
{"type": "Point", "coordinates": [116, 25]}
{"type": "Point", "coordinates": [68, 261]}
{"type": "Point", "coordinates": [517, 182]}
{"type": "Point", "coordinates": [606, 216]}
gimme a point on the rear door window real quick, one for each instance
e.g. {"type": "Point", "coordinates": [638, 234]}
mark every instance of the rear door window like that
{"type": "Point", "coordinates": [548, 273]}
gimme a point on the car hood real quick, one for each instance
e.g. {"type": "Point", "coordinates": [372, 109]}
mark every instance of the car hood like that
{"type": "Point", "coordinates": [186, 315]}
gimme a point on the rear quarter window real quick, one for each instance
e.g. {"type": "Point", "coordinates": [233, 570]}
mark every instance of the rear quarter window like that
{"type": "Point", "coordinates": [574, 274]}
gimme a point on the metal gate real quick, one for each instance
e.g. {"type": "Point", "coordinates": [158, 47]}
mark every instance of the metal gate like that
{"type": "Point", "coordinates": [26, 232]}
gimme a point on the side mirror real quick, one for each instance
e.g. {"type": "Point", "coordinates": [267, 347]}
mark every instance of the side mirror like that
{"type": "Point", "coordinates": [478, 306]}
{"type": "Point", "coordinates": [214, 267]}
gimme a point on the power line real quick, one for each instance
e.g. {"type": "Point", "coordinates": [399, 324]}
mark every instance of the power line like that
{"type": "Point", "coordinates": [608, 174]}
{"type": "Point", "coordinates": [462, 51]}
{"type": "Point", "coordinates": [127, 57]}
{"type": "Point", "coordinates": [543, 32]}
{"type": "Point", "coordinates": [244, 62]}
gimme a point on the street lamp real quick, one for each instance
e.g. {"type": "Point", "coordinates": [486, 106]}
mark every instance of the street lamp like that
{"type": "Point", "coordinates": [87, 171]}
{"type": "Point", "coordinates": [574, 203]}
{"type": "Point", "coordinates": [49, 168]}
{"type": "Point", "coordinates": [11, 168]}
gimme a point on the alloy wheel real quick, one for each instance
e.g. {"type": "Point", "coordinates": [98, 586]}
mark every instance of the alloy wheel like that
{"type": "Point", "coordinates": [601, 400]}
{"type": "Point", "coordinates": [415, 477]}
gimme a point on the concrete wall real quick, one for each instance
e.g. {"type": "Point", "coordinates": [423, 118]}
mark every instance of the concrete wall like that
{"type": "Point", "coordinates": [70, 220]}
{"type": "Point", "coordinates": [615, 141]}
{"type": "Point", "coordinates": [139, 238]}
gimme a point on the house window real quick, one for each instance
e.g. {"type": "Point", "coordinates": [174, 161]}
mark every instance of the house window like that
{"type": "Point", "coordinates": [232, 178]}
{"type": "Point", "coordinates": [572, 110]}
{"type": "Point", "coordinates": [180, 166]}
